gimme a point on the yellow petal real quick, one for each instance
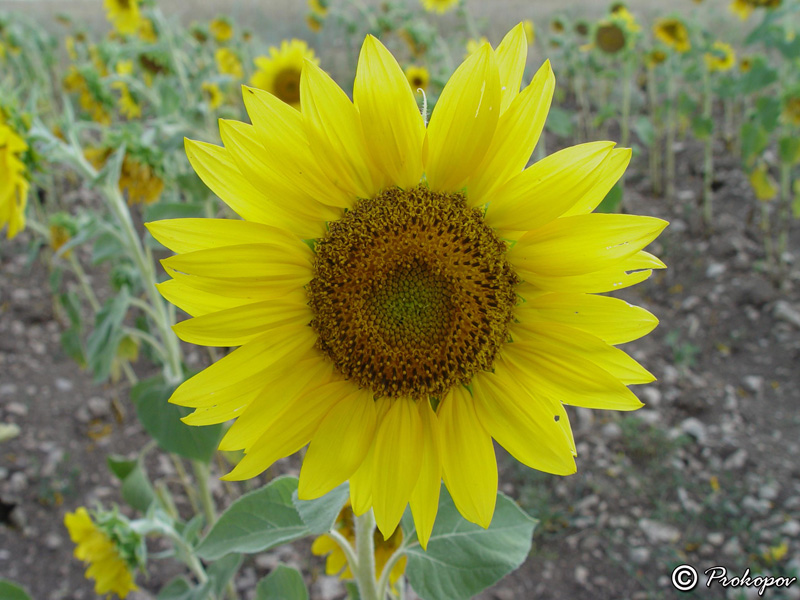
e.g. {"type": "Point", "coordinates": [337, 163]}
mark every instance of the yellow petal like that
{"type": "Point", "coordinates": [188, 235]}
{"type": "Point", "coordinates": [397, 462]}
{"type": "Point", "coordinates": [613, 168]}
{"type": "Point", "coordinates": [463, 122]}
{"type": "Point", "coordinates": [239, 325]}
{"type": "Point", "coordinates": [523, 423]}
{"type": "Point", "coordinates": [512, 54]}
{"type": "Point", "coordinates": [565, 341]}
{"type": "Point", "coordinates": [322, 545]}
{"type": "Point", "coordinates": [468, 462]}
{"type": "Point", "coordinates": [620, 275]}
{"type": "Point", "coordinates": [393, 125]}
{"type": "Point", "coordinates": [572, 378]}
{"type": "Point", "coordinates": [258, 166]}
{"type": "Point", "coordinates": [335, 134]}
{"type": "Point", "coordinates": [425, 497]}
{"type": "Point", "coordinates": [279, 128]}
{"type": "Point", "coordinates": [611, 319]}
{"type": "Point", "coordinates": [361, 481]}
{"type": "Point", "coordinates": [548, 188]}
{"type": "Point", "coordinates": [219, 172]}
{"type": "Point", "coordinates": [196, 302]}
{"type": "Point", "coordinates": [518, 130]}
{"type": "Point", "coordinates": [286, 436]}
{"type": "Point", "coordinates": [241, 366]}
{"type": "Point", "coordinates": [583, 243]}
{"type": "Point", "coordinates": [339, 445]}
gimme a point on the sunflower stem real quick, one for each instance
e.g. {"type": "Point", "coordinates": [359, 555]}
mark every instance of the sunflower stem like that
{"type": "Point", "coordinates": [708, 156]}
{"type": "Point", "coordinates": [365, 553]}
{"type": "Point", "coordinates": [201, 472]}
{"type": "Point", "coordinates": [655, 146]}
{"type": "Point", "coordinates": [784, 211]}
{"type": "Point", "coordinates": [383, 582]}
{"type": "Point", "coordinates": [670, 135]}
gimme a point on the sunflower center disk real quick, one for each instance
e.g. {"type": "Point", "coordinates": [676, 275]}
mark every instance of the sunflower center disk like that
{"type": "Point", "coordinates": [412, 293]}
{"type": "Point", "coordinates": [287, 86]}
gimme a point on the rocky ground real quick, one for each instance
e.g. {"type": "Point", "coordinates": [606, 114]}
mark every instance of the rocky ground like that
{"type": "Point", "coordinates": [706, 474]}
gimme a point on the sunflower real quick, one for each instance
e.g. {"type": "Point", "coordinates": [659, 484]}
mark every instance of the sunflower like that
{"type": "Point", "coordinates": [213, 94]}
{"type": "Point", "coordinates": [107, 565]}
{"type": "Point", "coordinates": [791, 110]}
{"type": "Point", "coordinates": [418, 77]}
{"type": "Point", "coordinates": [336, 563]}
{"type": "Point", "coordinates": [279, 73]}
{"type": "Point", "coordinates": [318, 8]}
{"type": "Point", "coordinates": [140, 181]}
{"type": "Point", "coordinates": [673, 33]}
{"type": "Point", "coordinates": [123, 15]}
{"type": "Point", "coordinates": [763, 185]}
{"type": "Point", "coordinates": [13, 181]}
{"type": "Point", "coordinates": [402, 294]}
{"type": "Point", "coordinates": [610, 37]}
{"type": "Point", "coordinates": [221, 29]}
{"type": "Point", "coordinates": [744, 8]}
{"type": "Point", "coordinates": [720, 58]}
{"type": "Point", "coordinates": [147, 31]}
{"type": "Point", "coordinates": [654, 58]}
{"type": "Point", "coordinates": [439, 6]}
{"type": "Point", "coordinates": [745, 64]}
{"type": "Point", "coordinates": [474, 45]}
{"type": "Point", "coordinates": [228, 63]}
{"type": "Point", "coordinates": [314, 22]}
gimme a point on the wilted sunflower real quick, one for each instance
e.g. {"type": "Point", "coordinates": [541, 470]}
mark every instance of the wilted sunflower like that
{"type": "Point", "coordinates": [720, 58]}
{"type": "Point", "coordinates": [763, 184]}
{"type": "Point", "coordinates": [279, 73]}
{"type": "Point", "coordinates": [123, 14]}
{"type": "Point", "coordinates": [13, 181]}
{"type": "Point", "coordinates": [673, 33]}
{"type": "Point", "coordinates": [403, 294]}
{"type": "Point", "coordinates": [228, 63]}
{"type": "Point", "coordinates": [418, 77]}
{"type": "Point", "coordinates": [336, 563]}
{"type": "Point", "coordinates": [109, 566]}
{"type": "Point", "coordinates": [439, 6]}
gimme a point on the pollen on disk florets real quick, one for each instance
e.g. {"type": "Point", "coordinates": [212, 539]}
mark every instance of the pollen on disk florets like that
{"type": "Point", "coordinates": [412, 293]}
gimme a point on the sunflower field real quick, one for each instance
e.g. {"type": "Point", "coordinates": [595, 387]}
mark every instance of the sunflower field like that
{"type": "Point", "coordinates": [402, 299]}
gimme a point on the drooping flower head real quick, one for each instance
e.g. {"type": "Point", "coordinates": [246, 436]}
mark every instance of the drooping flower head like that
{"type": "Point", "coordinates": [13, 179]}
{"type": "Point", "coordinates": [279, 73]}
{"type": "Point", "coordinates": [336, 562]}
{"type": "Point", "coordinates": [124, 15]}
{"type": "Point", "coordinates": [673, 33]}
{"type": "Point", "coordinates": [402, 293]}
{"type": "Point", "coordinates": [720, 57]}
{"type": "Point", "coordinates": [112, 550]}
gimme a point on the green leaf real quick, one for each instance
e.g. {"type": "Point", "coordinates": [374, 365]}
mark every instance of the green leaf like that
{"type": "Point", "coordinates": [180, 589]}
{"type": "Point", "coordinates": [103, 341]}
{"type": "Point", "coordinates": [319, 515]}
{"type": "Point", "coordinates": [136, 488]}
{"type": "Point", "coordinates": [559, 122]}
{"type": "Point", "coordinates": [702, 127]}
{"type": "Point", "coordinates": [758, 77]}
{"type": "Point", "coordinates": [612, 201]}
{"type": "Point", "coordinates": [284, 583]}
{"type": "Point", "coordinates": [643, 127]}
{"type": "Point", "coordinates": [106, 247]}
{"type": "Point", "coordinates": [223, 570]}
{"type": "Point", "coordinates": [754, 141]}
{"type": "Point", "coordinates": [351, 587]}
{"type": "Point", "coordinates": [162, 421]}
{"type": "Point", "coordinates": [789, 150]}
{"type": "Point", "coordinates": [768, 110]}
{"type": "Point", "coordinates": [258, 521]}
{"type": "Point", "coordinates": [73, 346]}
{"type": "Point", "coordinates": [11, 591]}
{"type": "Point", "coordinates": [463, 558]}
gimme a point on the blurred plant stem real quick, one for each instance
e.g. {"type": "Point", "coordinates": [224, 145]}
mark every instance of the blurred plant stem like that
{"type": "Point", "coordinates": [365, 555]}
{"type": "Point", "coordinates": [655, 146]}
{"type": "Point", "coordinates": [708, 151]}
{"type": "Point", "coordinates": [669, 165]}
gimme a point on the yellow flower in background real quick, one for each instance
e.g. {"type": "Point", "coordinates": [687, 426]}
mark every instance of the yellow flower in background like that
{"type": "Point", "coordinates": [745, 64]}
{"type": "Point", "coordinates": [221, 29]}
{"type": "Point", "coordinates": [228, 63]}
{"type": "Point", "coordinates": [474, 45]}
{"type": "Point", "coordinates": [74, 81]}
{"type": "Point", "coordinates": [791, 110]}
{"type": "Point", "coordinates": [654, 58]}
{"type": "Point", "coordinates": [530, 31]}
{"type": "Point", "coordinates": [439, 6]}
{"type": "Point", "coordinates": [69, 44]}
{"type": "Point", "coordinates": [428, 241]}
{"type": "Point", "coordinates": [110, 571]}
{"type": "Point", "coordinates": [124, 15]}
{"type": "Point", "coordinates": [744, 8]}
{"type": "Point", "coordinates": [609, 37]}
{"type": "Point", "coordinates": [147, 31]}
{"type": "Point", "coordinates": [720, 58]}
{"type": "Point", "coordinates": [627, 19]}
{"type": "Point", "coordinates": [13, 181]}
{"type": "Point", "coordinates": [763, 184]}
{"type": "Point", "coordinates": [673, 33]}
{"type": "Point", "coordinates": [279, 73]}
{"type": "Point", "coordinates": [314, 22]}
{"type": "Point", "coordinates": [128, 106]}
{"type": "Point", "coordinates": [213, 94]}
{"type": "Point", "coordinates": [318, 8]}
{"type": "Point", "coordinates": [139, 181]}
{"type": "Point", "coordinates": [336, 563]}
{"type": "Point", "coordinates": [418, 77]}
